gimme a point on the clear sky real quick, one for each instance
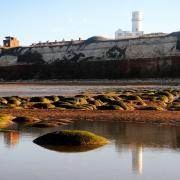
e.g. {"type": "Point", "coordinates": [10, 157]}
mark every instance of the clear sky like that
{"type": "Point", "coordinates": [41, 20]}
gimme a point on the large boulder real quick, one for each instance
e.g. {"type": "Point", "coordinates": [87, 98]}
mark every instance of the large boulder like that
{"type": "Point", "coordinates": [71, 138]}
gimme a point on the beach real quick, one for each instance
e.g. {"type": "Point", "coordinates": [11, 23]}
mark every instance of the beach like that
{"type": "Point", "coordinates": [148, 117]}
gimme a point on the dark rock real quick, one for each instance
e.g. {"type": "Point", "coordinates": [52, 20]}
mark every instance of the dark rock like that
{"type": "Point", "coordinates": [23, 119]}
{"type": "Point", "coordinates": [71, 138]}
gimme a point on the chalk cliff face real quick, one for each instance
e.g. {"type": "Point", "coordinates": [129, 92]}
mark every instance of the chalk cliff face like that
{"type": "Point", "coordinates": [95, 58]}
{"type": "Point", "coordinates": [94, 49]}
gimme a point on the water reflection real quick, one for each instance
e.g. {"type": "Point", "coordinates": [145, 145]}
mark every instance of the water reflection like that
{"type": "Point", "coordinates": [134, 137]}
{"type": "Point", "coordinates": [13, 135]}
{"type": "Point", "coordinates": [11, 138]}
{"type": "Point", "coordinates": [126, 135]}
{"type": "Point", "coordinates": [71, 149]}
{"type": "Point", "coordinates": [137, 159]}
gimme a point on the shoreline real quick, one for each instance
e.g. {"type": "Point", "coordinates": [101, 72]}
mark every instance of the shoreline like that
{"type": "Point", "coordinates": [97, 82]}
{"type": "Point", "coordinates": [138, 116]}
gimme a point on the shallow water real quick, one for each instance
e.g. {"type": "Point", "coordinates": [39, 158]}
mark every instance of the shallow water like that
{"type": "Point", "coordinates": [135, 151]}
{"type": "Point", "coordinates": [42, 90]}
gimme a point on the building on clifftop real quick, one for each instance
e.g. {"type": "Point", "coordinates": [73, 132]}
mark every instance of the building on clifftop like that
{"type": "Point", "coordinates": [10, 42]}
{"type": "Point", "coordinates": [137, 18]}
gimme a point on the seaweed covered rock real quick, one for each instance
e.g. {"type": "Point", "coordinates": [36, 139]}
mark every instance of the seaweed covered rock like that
{"type": "Point", "coordinates": [130, 99]}
{"type": "Point", "coordinates": [169, 95]}
{"type": "Point", "coordinates": [25, 119]}
{"type": "Point", "coordinates": [43, 106]}
{"type": "Point", "coordinates": [45, 125]}
{"type": "Point", "coordinates": [77, 100]}
{"type": "Point", "coordinates": [71, 138]}
{"type": "Point", "coordinates": [40, 99]}
{"type": "Point", "coordinates": [104, 98]}
{"type": "Point", "coordinates": [68, 105]}
{"type": "Point", "coordinates": [96, 102]}
{"type": "Point", "coordinates": [88, 107]}
{"type": "Point", "coordinates": [157, 108]}
{"type": "Point", "coordinates": [6, 117]}
{"type": "Point", "coordinates": [3, 100]}
{"type": "Point", "coordinates": [82, 96]}
{"type": "Point", "coordinates": [110, 107]}
{"type": "Point", "coordinates": [53, 98]}
{"type": "Point", "coordinates": [175, 106]}
{"type": "Point", "coordinates": [5, 120]}
{"type": "Point", "coordinates": [15, 102]}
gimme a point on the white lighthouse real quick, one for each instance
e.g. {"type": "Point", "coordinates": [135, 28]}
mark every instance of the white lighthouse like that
{"type": "Point", "coordinates": [137, 18]}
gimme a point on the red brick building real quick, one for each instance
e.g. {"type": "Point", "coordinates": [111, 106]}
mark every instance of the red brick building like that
{"type": "Point", "coordinates": [10, 42]}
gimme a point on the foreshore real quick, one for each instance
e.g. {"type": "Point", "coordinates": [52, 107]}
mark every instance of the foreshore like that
{"type": "Point", "coordinates": [138, 105]}
{"type": "Point", "coordinates": [97, 82]}
{"type": "Point", "coordinates": [148, 117]}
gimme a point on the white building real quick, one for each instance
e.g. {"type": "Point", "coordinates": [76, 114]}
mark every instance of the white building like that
{"type": "Point", "coordinates": [137, 18]}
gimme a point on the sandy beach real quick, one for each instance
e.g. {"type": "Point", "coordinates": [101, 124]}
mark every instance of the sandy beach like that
{"type": "Point", "coordinates": [151, 117]}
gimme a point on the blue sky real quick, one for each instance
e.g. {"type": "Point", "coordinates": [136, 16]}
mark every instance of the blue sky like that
{"type": "Point", "coordinates": [41, 20]}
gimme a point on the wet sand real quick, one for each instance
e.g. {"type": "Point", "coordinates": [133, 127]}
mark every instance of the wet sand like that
{"type": "Point", "coordinates": [96, 82]}
{"type": "Point", "coordinates": [150, 117]}
{"type": "Point", "coordinates": [71, 89]}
